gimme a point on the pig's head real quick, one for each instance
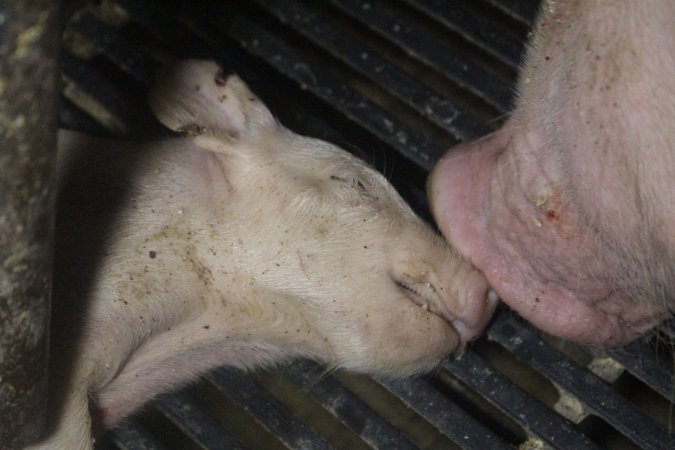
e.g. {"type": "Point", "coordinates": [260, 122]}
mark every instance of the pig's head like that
{"type": "Point", "coordinates": [316, 241]}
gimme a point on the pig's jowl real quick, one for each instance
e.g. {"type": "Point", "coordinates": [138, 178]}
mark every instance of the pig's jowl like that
{"type": "Point", "coordinates": [242, 244]}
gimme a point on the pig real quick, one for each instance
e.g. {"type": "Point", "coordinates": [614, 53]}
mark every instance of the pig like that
{"type": "Point", "coordinates": [568, 208]}
{"type": "Point", "coordinates": [236, 242]}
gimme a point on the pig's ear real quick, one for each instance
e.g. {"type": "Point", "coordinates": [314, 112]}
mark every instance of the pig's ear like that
{"type": "Point", "coordinates": [196, 98]}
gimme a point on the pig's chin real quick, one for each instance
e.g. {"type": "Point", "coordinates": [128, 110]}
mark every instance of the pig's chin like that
{"type": "Point", "coordinates": [510, 247]}
{"type": "Point", "coordinates": [416, 330]}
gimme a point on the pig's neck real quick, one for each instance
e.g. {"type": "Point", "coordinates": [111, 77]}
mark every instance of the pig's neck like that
{"type": "Point", "coordinates": [179, 287]}
{"type": "Point", "coordinates": [195, 308]}
{"type": "Point", "coordinates": [196, 305]}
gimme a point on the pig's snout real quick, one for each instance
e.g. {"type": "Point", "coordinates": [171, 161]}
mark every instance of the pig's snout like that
{"type": "Point", "coordinates": [467, 312]}
{"type": "Point", "coordinates": [450, 288]}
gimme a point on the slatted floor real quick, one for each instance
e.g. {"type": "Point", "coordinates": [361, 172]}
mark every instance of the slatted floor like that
{"type": "Point", "coordinates": [397, 82]}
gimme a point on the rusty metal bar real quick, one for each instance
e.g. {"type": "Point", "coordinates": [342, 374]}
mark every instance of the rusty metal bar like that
{"type": "Point", "coordinates": [29, 38]}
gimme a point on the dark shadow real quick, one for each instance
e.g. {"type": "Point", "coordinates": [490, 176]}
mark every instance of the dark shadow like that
{"type": "Point", "coordinates": [94, 190]}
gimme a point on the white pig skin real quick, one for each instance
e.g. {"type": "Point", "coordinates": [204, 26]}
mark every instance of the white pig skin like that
{"type": "Point", "coordinates": [239, 244]}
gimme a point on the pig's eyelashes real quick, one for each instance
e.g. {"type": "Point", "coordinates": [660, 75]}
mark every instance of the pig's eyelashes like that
{"type": "Point", "coordinates": [352, 181]}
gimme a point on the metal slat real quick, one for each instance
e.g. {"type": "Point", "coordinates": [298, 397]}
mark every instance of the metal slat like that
{"type": "Point", "coordinates": [646, 366]}
{"type": "Point", "coordinates": [115, 48]}
{"type": "Point", "coordinates": [523, 10]}
{"type": "Point", "coordinates": [130, 436]}
{"type": "Point", "coordinates": [527, 411]}
{"type": "Point", "coordinates": [149, 14]}
{"type": "Point", "coordinates": [93, 93]}
{"type": "Point", "coordinates": [323, 83]}
{"type": "Point", "coordinates": [347, 408]}
{"type": "Point", "coordinates": [266, 410]}
{"type": "Point", "coordinates": [192, 420]}
{"type": "Point", "coordinates": [453, 14]}
{"type": "Point", "coordinates": [416, 42]}
{"type": "Point", "coordinates": [73, 118]}
{"type": "Point", "coordinates": [360, 57]}
{"type": "Point", "coordinates": [440, 411]}
{"type": "Point", "coordinates": [582, 384]}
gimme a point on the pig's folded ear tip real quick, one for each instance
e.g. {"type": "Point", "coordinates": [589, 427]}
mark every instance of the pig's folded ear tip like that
{"type": "Point", "coordinates": [223, 76]}
{"type": "Point", "coordinates": [220, 77]}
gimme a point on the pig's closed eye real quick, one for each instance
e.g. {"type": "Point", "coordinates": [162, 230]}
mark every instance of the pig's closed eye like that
{"type": "Point", "coordinates": [352, 181]}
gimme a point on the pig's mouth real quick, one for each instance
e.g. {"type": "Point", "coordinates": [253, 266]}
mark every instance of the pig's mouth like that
{"type": "Point", "coordinates": [426, 296]}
